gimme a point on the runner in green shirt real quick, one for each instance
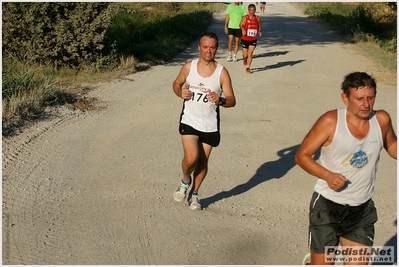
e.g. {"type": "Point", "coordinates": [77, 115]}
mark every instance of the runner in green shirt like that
{"type": "Point", "coordinates": [234, 13]}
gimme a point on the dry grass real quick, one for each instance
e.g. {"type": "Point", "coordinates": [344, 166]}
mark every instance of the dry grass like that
{"type": "Point", "coordinates": [128, 63]}
{"type": "Point", "coordinates": [19, 108]}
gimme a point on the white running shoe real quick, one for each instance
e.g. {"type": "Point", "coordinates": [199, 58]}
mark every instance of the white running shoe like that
{"type": "Point", "coordinates": [194, 202]}
{"type": "Point", "coordinates": [306, 259]}
{"type": "Point", "coordinates": [229, 57]}
{"type": "Point", "coordinates": [180, 193]}
{"type": "Point", "coordinates": [234, 58]}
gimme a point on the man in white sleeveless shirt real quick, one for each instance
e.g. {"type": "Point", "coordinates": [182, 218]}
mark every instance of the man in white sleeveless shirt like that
{"type": "Point", "coordinates": [200, 83]}
{"type": "Point", "coordinates": [351, 139]}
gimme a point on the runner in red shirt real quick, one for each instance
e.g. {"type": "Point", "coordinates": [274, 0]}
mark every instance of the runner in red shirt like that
{"type": "Point", "coordinates": [251, 28]}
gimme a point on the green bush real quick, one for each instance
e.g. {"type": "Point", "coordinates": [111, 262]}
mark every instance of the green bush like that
{"type": "Point", "coordinates": [364, 21]}
{"type": "Point", "coordinates": [69, 42]}
{"type": "Point", "coordinates": [154, 37]}
{"type": "Point", "coordinates": [58, 33]}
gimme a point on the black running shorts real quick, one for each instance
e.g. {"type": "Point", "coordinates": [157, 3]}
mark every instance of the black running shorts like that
{"type": "Point", "coordinates": [246, 44]}
{"type": "Point", "coordinates": [328, 221]}
{"type": "Point", "coordinates": [235, 32]}
{"type": "Point", "coordinates": [212, 139]}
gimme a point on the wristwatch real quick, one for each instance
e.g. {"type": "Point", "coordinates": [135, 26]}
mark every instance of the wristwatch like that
{"type": "Point", "coordinates": [222, 101]}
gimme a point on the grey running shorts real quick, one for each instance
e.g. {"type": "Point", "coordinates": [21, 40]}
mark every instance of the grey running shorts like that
{"type": "Point", "coordinates": [212, 139]}
{"type": "Point", "coordinates": [328, 221]}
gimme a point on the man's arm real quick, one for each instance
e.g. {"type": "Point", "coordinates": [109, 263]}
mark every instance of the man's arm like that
{"type": "Point", "coordinates": [242, 26]}
{"type": "Point", "coordinates": [320, 134]}
{"type": "Point", "coordinates": [226, 22]}
{"type": "Point", "coordinates": [227, 87]}
{"type": "Point", "coordinates": [180, 91]}
{"type": "Point", "coordinates": [388, 133]}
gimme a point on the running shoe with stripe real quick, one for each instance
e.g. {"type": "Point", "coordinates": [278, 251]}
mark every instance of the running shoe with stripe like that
{"type": "Point", "coordinates": [181, 191]}
{"type": "Point", "coordinates": [194, 202]}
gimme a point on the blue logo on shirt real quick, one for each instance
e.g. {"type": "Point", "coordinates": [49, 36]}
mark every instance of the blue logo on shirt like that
{"type": "Point", "coordinates": [359, 159]}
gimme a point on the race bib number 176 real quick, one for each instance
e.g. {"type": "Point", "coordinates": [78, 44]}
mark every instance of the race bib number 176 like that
{"type": "Point", "coordinates": [199, 97]}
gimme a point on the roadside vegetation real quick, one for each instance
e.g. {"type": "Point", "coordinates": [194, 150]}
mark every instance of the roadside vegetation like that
{"type": "Point", "coordinates": [54, 52]}
{"type": "Point", "coordinates": [371, 25]}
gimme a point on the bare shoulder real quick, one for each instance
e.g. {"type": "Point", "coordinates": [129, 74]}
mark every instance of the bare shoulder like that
{"type": "Point", "coordinates": [382, 114]}
{"type": "Point", "coordinates": [187, 64]}
{"type": "Point", "coordinates": [383, 117]}
{"type": "Point", "coordinates": [326, 123]}
{"type": "Point", "coordinates": [329, 118]}
{"type": "Point", "coordinates": [183, 73]}
{"type": "Point", "coordinates": [185, 69]}
{"type": "Point", "coordinates": [224, 70]}
{"type": "Point", "coordinates": [322, 132]}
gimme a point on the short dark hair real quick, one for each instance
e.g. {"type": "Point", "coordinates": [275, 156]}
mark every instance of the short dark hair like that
{"type": "Point", "coordinates": [356, 80]}
{"type": "Point", "coordinates": [210, 35]}
{"type": "Point", "coordinates": [251, 5]}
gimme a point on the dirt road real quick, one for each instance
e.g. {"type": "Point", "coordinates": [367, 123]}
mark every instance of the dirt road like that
{"type": "Point", "coordinates": [96, 187]}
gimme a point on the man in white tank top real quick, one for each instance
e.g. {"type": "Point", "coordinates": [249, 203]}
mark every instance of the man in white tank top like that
{"type": "Point", "coordinates": [200, 84]}
{"type": "Point", "coordinates": [351, 139]}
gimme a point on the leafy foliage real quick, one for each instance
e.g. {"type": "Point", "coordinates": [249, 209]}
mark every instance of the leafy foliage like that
{"type": "Point", "coordinates": [157, 32]}
{"type": "Point", "coordinates": [364, 21]}
{"type": "Point", "coordinates": [47, 45]}
{"type": "Point", "coordinates": [60, 33]}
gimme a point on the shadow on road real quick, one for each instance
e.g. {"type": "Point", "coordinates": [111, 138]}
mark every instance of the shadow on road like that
{"type": "Point", "coordinates": [267, 171]}
{"type": "Point", "coordinates": [278, 65]}
{"type": "Point", "coordinates": [271, 54]}
{"type": "Point", "coordinates": [278, 30]}
{"type": "Point", "coordinates": [393, 242]}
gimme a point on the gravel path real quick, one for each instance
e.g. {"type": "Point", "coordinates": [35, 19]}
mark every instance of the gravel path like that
{"type": "Point", "coordinates": [96, 187]}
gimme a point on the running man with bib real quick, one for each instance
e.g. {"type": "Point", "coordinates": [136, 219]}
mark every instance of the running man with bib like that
{"type": "Point", "coordinates": [251, 27]}
{"type": "Point", "coordinates": [200, 83]}
{"type": "Point", "coordinates": [351, 139]}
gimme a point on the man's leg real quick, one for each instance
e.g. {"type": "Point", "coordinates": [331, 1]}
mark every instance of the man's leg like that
{"type": "Point", "coordinates": [191, 151]}
{"type": "Point", "coordinates": [319, 259]}
{"type": "Point", "coordinates": [200, 171]}
{"type": "Point", "coordinates": [230, 48]}
{"type": "Point", "coordinates": [345, 242]}
{"type": "Point", "coordinates": [190, 147]}
{"type": "Point", "coordinates": [230, 43]}
{"type": "Point", "coordinates": [251, 49]}
{"type": "Point", "coordinates": [236, 44]}
{"type": "Point", "coordinates": [201, 168]}
{"type": "Point", "coordinates": [245, 55]}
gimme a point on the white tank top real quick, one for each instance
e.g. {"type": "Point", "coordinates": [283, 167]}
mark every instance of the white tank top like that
{"type": "Point", "coordinates": [356, 159]}
{"type": "Point", "coordinates": [198, 112]}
